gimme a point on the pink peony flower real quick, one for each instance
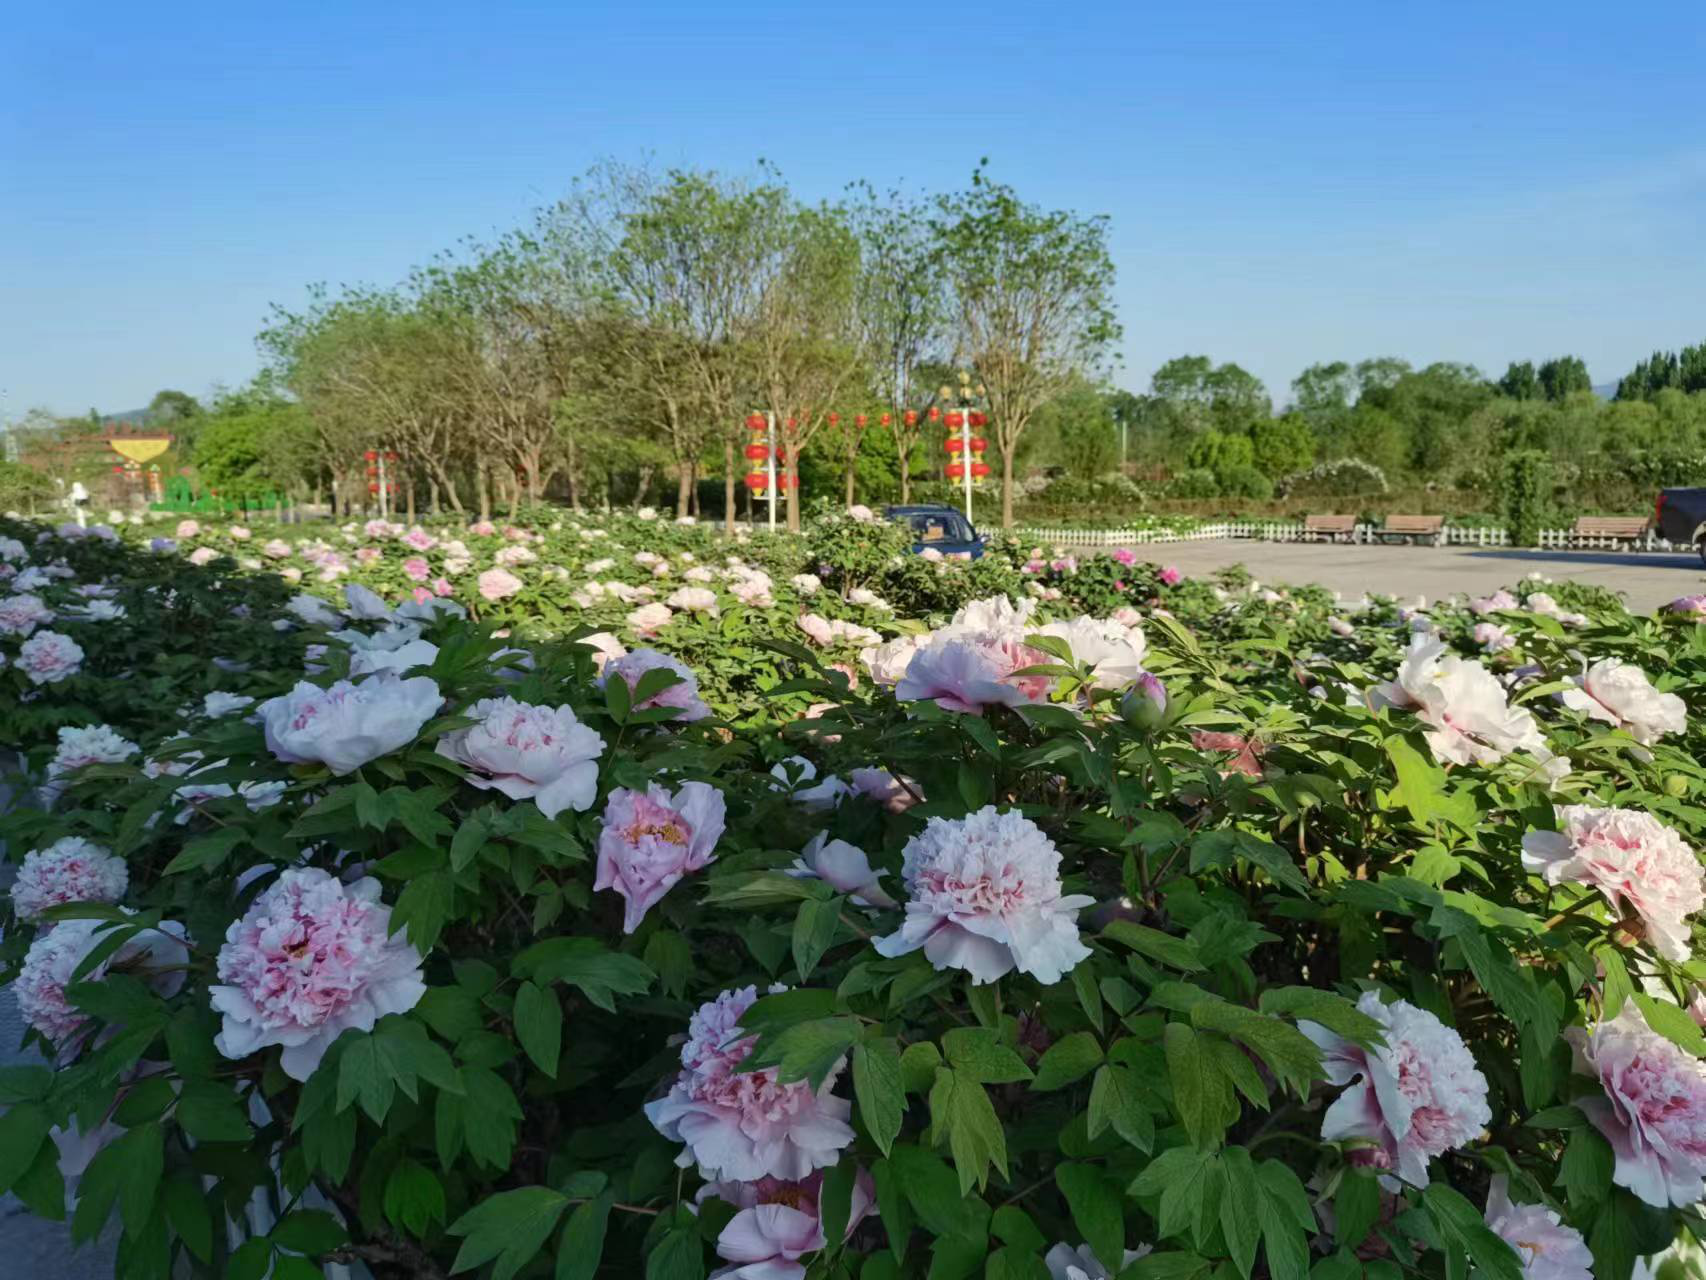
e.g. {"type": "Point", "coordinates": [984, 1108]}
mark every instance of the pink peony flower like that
{"type": "Point", "coordinates": [202, 556]}
{"type": "Point", "coordinates": [844, 866]}
{"type": "Point", "coordinates": [528, 752]}
{"type": "Point", "coordinates": [883, 787]}
{"type": "Point", "coordinates": [1499, 601]}
{"type": "Point", "coordinates": [158, 956]}
{"type": "Point", "coordinates": [276, 549]}
{"type": "Point", "coordinates": [652, 838]}
{"type": "Point", "coordinates": [1616, 693]}
{"type": "Point", "coordinates": [483, 529]}
{"type": "Point", "coordinates": [1341, 628]}
{"type": "Point", "coordinates": [49, 657]}
{"type": "Point", "coordinates": [632, 667]}
{"type": "Point", "coordinates": [419, 539]}
{"type": "Point", "coordinates": [1246, 753]}
{"type": "Point", "coordinates": [1170, 576]}
{"type": "Point", "coordinates": [498, 584]}
{"type": "Point", "coordinates": [240, 533]}
{"type": "Point", "coordinates": [746, 1125]}
{"type": "Point", "coordinates": [1123, 555]}
{"type": "Point", "coordinates": [970, 672]}
{"type": "Point", "coordinates": [22, 613]}
{"type": "Point", "coordinates": [817, 628]}
{"type": "Point", "coordinates": [753, 590]}
{"type": "Point", "coordinates": [1654, 1110]}
{"type": "Point", "coordinates": [347, 725]}
{"type": "Point", "coordinates": [368, 555]}
{"type": "Point", "coordinates": [1549, 1250]}
{"type": "Point", "coordinates": [1694, 606]}
{"type": "Point", "coordinates": [187, 529]}
{"type": "Point", "coordinates": [1634, 860]}
{"type": "Point", "coordinates": [1418, 1096]}
{"type": "Point", "coordinates": [886, 663]}
{"type": "Point", "coordinates": [604, 647]}
{"type": "Point", "coordinates": [70, 869]}
{"type": "Point", "coordinates": [1492, 637]}
{"type": "Point", "coordinates": [649, 619]}
{"type": "Point", "coordinates": [778, 1223]}
{"type": "Point", "coordinates": [442, 587]}
{"type": "Point", "coordinates": [95, 744]}
{"type": "Point", "coordinates": [310, 959]}
{"type": "Point", "coordinates": [984, 895]}
{"type": "Point", "coordinates": [416, 569]}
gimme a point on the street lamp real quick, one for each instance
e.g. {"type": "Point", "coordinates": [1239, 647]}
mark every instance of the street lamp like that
{"type": "Point", "coordinates": [969, 448]}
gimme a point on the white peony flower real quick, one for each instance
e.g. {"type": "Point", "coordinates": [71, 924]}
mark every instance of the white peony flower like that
{"type": "Point", "coordinates": [1616, 693]}
{"type": "Point", "coordinates": [348, 724]}
{"type": "Point", "coordinates": [528, 752]}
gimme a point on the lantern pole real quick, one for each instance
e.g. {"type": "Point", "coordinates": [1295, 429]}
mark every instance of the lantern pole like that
{"type": "Point", "coordinates": [383, 513]}
{"type": "Point", "coordinates": [770, 462]}
{"type": "Point", "coordinates": [965, 456]}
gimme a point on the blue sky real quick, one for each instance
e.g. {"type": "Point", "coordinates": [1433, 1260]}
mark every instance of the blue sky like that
{"type": "Point", "coordinates": [1287, 183]}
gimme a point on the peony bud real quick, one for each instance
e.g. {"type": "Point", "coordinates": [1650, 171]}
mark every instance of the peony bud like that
{"type": "Point", "coordinates": [1676, 786]}
{"type": "Point", "coordinates": [1145, 703]}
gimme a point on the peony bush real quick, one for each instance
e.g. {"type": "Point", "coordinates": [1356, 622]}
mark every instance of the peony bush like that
{"type": "Point", "coordinates": [1043, 918]}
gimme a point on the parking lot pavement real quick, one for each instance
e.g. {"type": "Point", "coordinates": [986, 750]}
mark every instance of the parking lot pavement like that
{"type": "Point", "coordinates": [1645, 580]}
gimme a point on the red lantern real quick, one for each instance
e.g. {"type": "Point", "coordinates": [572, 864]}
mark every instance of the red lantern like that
{"type": "Point", "coordinates": [978, 444]}
{"type": "Point", "coordinates": [371, 456]}
{"type": "Point", "coordinates": [860, 420]}
{"type": "Point", "coordinates": [956, 470]}
{"type": "Point", "coordinates": [978, 420]}
{"type": "Point", "coordinates": [955, 420]}
{"type": "Point", "coordinates": [117, 469]}
{"type": "Point", "coordinates": [788, 481]}
{"type": "Point", "coordinates": [834, 418]}
{"type": "Point", "coordinates": [792, 426]}
{"type": "Point", "coordinates": [757, 452]}
{"type": "Point", "coordinates": [756, 422]}
{"type": "Point", "coordinates": [390, 457]}
{"type": "Point", "coordinates": [954, 444]}
{"type": "Point", "coordinates": [373, 486]}
{"type": "Point", "coordinates": [935, 414]}
{"type": "Point", "coordinates": [757, 481]}
{"type": "Point", "coordinates": [910, 417]}
{"type": "Point", "coordinates": [886, 419]}
{"type": "Point", "coordinates": [979, 470]}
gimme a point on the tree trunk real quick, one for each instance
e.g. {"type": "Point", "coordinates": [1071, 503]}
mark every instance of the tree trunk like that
{"type": "Point", "coordinates": [905, 459]}
{"type": "Point", "coordinates": [729, 487]}
{"type": "Point", "coordinates": [683, 487]}
{"type": "Point", "coordinates": [409, 497]}
{"type": "Point", "coordinates": [693, 490]}
{"type": "Point", "coordinates": [1006, 488]}
{"type": "Point", "coordinates": [432, 496]}
{"type": "Point", "coordinates": [483, 488]}
{"type": "Point", "coordinates": [851, 460]}
{"type": "Point", "coordinates": [793, 491]}
{"type": "Point", "coordinates": [644, 487]}
{"type": "Point", "coordinates": [514, 483]}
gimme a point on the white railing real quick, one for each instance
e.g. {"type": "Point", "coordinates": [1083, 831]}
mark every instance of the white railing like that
{"type": "Point", "coordinates": [1289, 531]}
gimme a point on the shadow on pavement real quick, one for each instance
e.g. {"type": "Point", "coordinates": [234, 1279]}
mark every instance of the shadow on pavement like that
{"type": "Point", "coordinates": [1634, 559]}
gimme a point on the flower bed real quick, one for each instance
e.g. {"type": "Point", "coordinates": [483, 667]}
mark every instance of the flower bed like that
{"type": "Point", "coordinates": [808, 905]}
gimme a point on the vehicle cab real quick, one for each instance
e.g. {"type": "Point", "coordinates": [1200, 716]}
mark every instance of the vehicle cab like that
{"type": "Point", "coordinates": [939, 528]}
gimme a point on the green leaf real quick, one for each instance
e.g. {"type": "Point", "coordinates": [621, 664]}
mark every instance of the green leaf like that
{"type": "Point", "coordinates": [1095, 1205]}
{"type": "Point", "coordinates": [1585, 1171]}
{"type": "Point", "coordinates": [510, 1226]}
{"type": "Point", "coordinates": [424, 907]}
{"type": "Point", "coordinates": [918, 1064]}
{"type": "Point", "coordinates": [1286, 1221]}
{"type": "Point", "coordinates": [585, 963]}
{"type": "Point", "coordinates": [209, 1112]}
{"type": "Point", "coordinates": [679, 1255]}
{"type": "Point", "coordinates": [1462, 1228]}
{"type": "Point", "coordinates": [1012, 1225]}
{"type": "Point", "coordinates": [188, 1214]}
{"type": "Point", "coordinates": [206, 852]}
{"type": "Point", "coordinates": [466, 844]}
{"type": "Point", "coordinates": [1424, 790]}
{"type": "Point", "coordinates": [582, 1245]}
{"type": "Point", "coordinates": [396, 1055]}
{"type": "Point", "coordinates": [1117, 1102]}
{"type": "Point", "coordinates": [1201, 1093]}
{"type": "Point", "coordinates": [1176, 953]}
{"type": "Point", "coordinates": [978, 1054]}
{"type": "Point", "coordinates": [1618, 988]}
{"type": "Point", "coordinates": [1067, 1060]}
{"type": "Point", "coordinates": [878, 1090]}
{"type": "Point", "coordinates": [539, 1026]}
{"type": "Point", "coordinates": [1356, 1207]}
{"type": "Point", "coordinates": [250, 1260]}
{"type": "Point", "coordinates": [1240, 1208]}
{"type": "Point", "coordinates": [1673, 1023]}
{"type": "Point", "coordinates": [309, 1231]}
{"type": "Point", "coordinates": [814, 930]}
{"type": "Point", "coordinates": [24, 1084]}
{"type": "Point", "coordinates": [414, 1197]}
{"type": "Point", "coordinates": [960, 1112]}
{"type": "Point", "coordinates": [1288, 1053]}
{"type": "Point", "coordinates": [805, 1051]}
{"type": "Point", "coordinates": [1334, 1012]}
{"type": "Point", "coordinates": [23, 1130]}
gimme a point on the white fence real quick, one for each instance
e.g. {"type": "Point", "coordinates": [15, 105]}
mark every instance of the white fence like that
{"type": "Point", "coordinates": [1292, 531]}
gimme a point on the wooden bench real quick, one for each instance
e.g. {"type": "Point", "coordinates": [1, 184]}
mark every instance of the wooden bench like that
{"type": "Point", "coordinates": [1596, 529]}
{"type": "Point", "coordinates": [1413, 529]}
{"type": "Point", "coordinates": [1332, 528]}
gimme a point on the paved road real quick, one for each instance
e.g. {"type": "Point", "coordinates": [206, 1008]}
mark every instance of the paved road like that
{"type": "Point", "coordinates": [1645, 579]}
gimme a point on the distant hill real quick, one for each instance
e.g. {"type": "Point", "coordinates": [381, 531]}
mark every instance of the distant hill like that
{"type": "Point", "coordinates": [135, 417]}
{"type": "Point", "coordinates": [1606, 391]}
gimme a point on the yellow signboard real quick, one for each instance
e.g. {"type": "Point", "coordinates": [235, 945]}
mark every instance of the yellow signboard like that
{"type": "Point", "coordinates": [141, 449]}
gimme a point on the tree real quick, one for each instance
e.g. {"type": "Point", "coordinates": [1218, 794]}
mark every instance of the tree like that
{"type": "Point", "coordinates": [1077, 428]}
{"type": "Point", "coordinates": [1282, 445]}
{"type": "Point", "coordinates": [1324, 392]}
{"type": "Point", "coordinates": [1563, 377]}
{"type": "Point", "coordinates": [172, 406]}
{"type": "Point", "coordinates": [1032, 301]}
{"type": "Point", "coordinates": [901, 311]}
{"type": "Point", "coordinates": [252, 444]}
{"type": "Point", "coordinates": [1520, 382]}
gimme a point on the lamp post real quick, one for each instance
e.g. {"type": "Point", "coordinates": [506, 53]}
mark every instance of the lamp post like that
{"type": "Point", "coordinates": [766, 479]}
{"type": "Point", "coordinates": [960, 399]}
